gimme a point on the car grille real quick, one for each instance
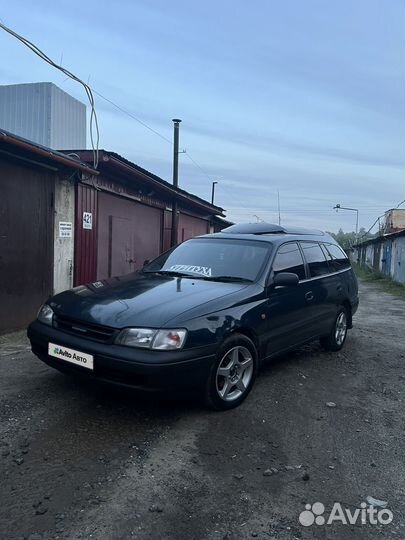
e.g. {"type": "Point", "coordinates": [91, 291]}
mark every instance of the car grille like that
{"type": "Point", "coordinates": [86, 330]}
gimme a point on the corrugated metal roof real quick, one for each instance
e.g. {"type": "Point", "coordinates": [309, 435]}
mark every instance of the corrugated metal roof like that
{"type": "Point", "coordinates": [25, 145]}
{"type": "Point", "coordinates": [106, 156]}
{"type": "Point", "coordinates": [377, 239]}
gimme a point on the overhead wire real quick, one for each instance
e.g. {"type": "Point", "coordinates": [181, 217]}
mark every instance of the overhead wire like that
{"type": "Point", "coordinates": [145, 125]}
{"type": "Point", "coordinates": [377, 219]}
{"type": "Point", "coordinates": [94, 132]}
{"type": "Point", "coordinates": [94, 128]}
{"type": "Point", "coordinates": [197, 165]}
{"type": "Point", "coordinates": [128, 113]}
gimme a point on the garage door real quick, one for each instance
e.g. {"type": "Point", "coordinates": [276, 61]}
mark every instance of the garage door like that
{"type": "Point", "coordinates": [128, 234]}
{"type": "Point", "coordinates": [190, 226]}
{"type": "Point", "coordinates": [26, 242]}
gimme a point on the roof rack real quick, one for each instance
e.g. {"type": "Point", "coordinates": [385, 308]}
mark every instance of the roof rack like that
{"type": "Point", "coordinates": [269, 228]}
{"type": "Point", "coordinates": [254, 228]}
{"type": "Point", "coordinates": [303, 230]}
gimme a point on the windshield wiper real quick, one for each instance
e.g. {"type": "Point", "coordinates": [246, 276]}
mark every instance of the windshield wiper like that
{"type": "Point", "coordinates": [171, 273]}
{"type": "Point", "coordinates": [228, 278]}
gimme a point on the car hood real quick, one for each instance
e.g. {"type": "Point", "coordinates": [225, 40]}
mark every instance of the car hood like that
{"type": "Point", "coordinates": [139, 300]}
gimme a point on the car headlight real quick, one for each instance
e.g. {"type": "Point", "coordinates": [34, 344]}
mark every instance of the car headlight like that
{"type": "Point", "coordinates": [169, 339]}
{"type": "Point", "coordinates": [136, 337]}
{"type": "Point", "coordinates": [149, 338]}
{"type": "Point", "coordinates": [45, 315]}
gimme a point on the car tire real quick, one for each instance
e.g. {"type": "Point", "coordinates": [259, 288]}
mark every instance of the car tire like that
{"type": "Point", "coordinates": [336, 338]}
{"type": "Point", "coordinates": [233, 373]}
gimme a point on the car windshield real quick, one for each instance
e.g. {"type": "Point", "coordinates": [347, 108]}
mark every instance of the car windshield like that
{"type": "Point", "coordinates": [213, 259]}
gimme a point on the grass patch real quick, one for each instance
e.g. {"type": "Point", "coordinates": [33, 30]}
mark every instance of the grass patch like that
{"type": "Point", "coordinates": [386, 284]}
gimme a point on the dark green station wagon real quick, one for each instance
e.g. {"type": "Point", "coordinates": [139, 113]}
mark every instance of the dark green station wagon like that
{"type": "Point", "coordinates": [203, 316]}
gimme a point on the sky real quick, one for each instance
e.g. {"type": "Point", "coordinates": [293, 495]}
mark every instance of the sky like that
{"type": "Point", "coordinates": [301, 98]}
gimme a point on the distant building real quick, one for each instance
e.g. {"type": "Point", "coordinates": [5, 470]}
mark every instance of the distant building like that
{"type": "Point", "coordinates": [44, 114]}
{"type": "Point", "coordinates": [394, 220]}
{"type": "Point", "coordinates": [385, 253]}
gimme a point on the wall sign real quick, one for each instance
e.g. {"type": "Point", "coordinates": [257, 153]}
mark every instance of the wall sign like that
{"type": "Point", "coordinates": [65, 229]}
{"type": "Point", "coordinates": [87, 220]}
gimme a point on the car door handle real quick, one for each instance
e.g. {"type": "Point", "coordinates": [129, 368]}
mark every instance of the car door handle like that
{"type": "Point", "coordinates": [309, 296]}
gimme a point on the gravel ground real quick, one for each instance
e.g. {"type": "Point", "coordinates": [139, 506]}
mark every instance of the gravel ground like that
{"type": "Point", "coordinates": [83, 462]}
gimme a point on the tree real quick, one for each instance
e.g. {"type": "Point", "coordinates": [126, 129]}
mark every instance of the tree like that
{"type": "Point", "coordinates": [348, 240]}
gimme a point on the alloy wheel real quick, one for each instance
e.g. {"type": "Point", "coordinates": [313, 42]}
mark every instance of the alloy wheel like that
{"type": "Point", "coordinates": [341, 328]}
{"type": "Point", "coordinates": [234, 373]}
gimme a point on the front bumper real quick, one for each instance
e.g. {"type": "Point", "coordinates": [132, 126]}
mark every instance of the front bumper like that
{"type": "Point", "coordinates": [167, 371]}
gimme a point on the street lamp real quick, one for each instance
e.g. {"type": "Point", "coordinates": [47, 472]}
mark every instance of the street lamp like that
{"type": "Point", "coordinates": [339, 207]}
{"type": "Point", "coordinates": [213, 192]}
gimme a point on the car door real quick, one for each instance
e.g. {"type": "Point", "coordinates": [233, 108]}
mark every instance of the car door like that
{"type": "Point", "coordinates": [286, 307]}
{"type": "Point", "coordinates": [321, 289]}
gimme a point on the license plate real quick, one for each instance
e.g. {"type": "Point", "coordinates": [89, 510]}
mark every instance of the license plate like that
{"type": "Point", "coordinates": [70, 355]}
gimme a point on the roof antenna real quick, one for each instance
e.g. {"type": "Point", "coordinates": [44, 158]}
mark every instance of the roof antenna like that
{"type": "Point", "coordinates": [279, 212]}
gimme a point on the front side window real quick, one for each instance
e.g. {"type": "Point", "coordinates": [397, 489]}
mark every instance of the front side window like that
{"type": "Point", "coordinates": [214, 259]}
{"type": "Point", "coordinates": [337, 257]}
{"type": "Point", "coordinates": [289, 259]}
{"type": "Point", "coordinates": [318, 265]}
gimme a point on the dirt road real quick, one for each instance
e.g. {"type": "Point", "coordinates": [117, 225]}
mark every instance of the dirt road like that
{"type": "Point", "coordinates": [77, 462]}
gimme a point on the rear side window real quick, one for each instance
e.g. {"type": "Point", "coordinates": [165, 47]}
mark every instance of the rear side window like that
{"type": "Point", "coordinates": [337, 257]}
{"type": "Point", "coordinates": [318, 265]}
{"type": "Point", "coordinates": [289, 259]}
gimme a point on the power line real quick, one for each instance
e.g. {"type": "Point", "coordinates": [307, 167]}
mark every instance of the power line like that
{"type": "Point", "coordinates": [145, 125]}
{"type": "Point", "coordinates": [124, 111]}
{"type": "Point", "coordinates": [378, 218]}
{"type": "Point", "coordinates": [93, 116]}
{"type": "Point", "coordinates": [198, 166]}
{"type": "Point", "coordinates": [89, 92]}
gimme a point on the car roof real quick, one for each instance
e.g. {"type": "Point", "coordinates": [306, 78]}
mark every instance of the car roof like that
{"type": "Point", "coordinates": [268, 232]}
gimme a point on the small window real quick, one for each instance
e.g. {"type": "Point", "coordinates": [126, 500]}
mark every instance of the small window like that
{"type": "Point", "coordinates": [337, 257]}
{"type": "Point", "coordinates": [318, 265]}
{"type": "Point", "coordinates": [289, 259]}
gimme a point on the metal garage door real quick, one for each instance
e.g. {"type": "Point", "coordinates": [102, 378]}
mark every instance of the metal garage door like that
{"type": "Point", "coordinates": [128, 234]}
{"type": "Point", "coordinates": [85, 235]}
{"type": "Point", "coordinates": [26, 242]}
{"type": "Point", "coordinates": [190, 226]}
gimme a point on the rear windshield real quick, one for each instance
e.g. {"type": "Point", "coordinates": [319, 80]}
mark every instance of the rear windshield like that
{"type": "Point", "coordinates": [214, 258]}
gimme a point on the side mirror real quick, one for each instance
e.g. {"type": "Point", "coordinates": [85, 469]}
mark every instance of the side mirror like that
{"type": "Point", "coordinates": [285, 279]}
{"type": "Point", "coordinates": [146, 261]}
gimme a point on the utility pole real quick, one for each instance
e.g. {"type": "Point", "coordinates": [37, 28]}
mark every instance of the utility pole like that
{"type": "Point", "coordinates": [176, 128]}
{"type": "Point", "coordinates": [213, 192]}
{"type": "Point", "coordinates": [339, 207]}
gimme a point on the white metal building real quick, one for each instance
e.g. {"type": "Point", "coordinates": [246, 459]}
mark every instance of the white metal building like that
{"type": "Point", "coordinates": [44, 114]}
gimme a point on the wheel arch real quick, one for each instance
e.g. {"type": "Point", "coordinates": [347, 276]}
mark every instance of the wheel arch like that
{"type": "Point", "coordinates": [249, 333]}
